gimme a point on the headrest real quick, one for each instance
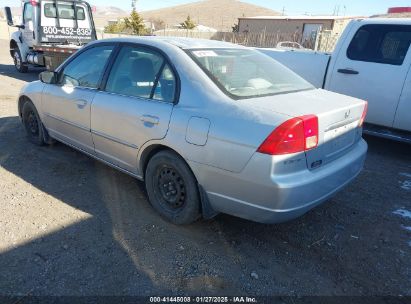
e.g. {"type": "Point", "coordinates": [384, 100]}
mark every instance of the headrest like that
{"type": "Point", "coordinates": [142, 70]}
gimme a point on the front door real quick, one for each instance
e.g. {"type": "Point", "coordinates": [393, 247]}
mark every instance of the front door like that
{"type": "Point", "coordinates": [374, 69]}
{"type": "Point", "coordinates": [67, 105]}
{"type": "Point", "coordinates": [135, 106]}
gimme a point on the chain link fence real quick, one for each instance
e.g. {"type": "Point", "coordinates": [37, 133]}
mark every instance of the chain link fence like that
{"type": "Point", "coordinates": [323, 41]}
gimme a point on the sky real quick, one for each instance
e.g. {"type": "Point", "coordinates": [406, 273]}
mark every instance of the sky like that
{"type": "Point", "coordinates": [290, 7]}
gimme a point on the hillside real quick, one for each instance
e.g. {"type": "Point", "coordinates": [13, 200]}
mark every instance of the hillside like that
{"type": "Point", "coordinates": [102, 14]}
{"type": "Point", "coordinates": [218, 14]}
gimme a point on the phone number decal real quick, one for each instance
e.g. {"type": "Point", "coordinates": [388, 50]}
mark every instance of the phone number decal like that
{"type": "Point", "coordinates": [66, 31]}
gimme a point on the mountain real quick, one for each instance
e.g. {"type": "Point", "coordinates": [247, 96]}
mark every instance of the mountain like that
{"type": "Point", "coordinates": [102, 14]}
{"type": "Point", "coordinates": [218, 14]}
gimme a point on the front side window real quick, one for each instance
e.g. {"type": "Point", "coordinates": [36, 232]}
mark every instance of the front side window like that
{"type": "Point", "coordinates": [141, 72]}
{"type": "Point", "coordinates": [66, 11]}
{"type": "Point", "coordinates": [387, 44]}
{"type": "Point", "coordinates": [87, 68]}
{"type": "Point", "coordinates": [28, 12]}
{"type": "Point", "coordinates": [244, 73]}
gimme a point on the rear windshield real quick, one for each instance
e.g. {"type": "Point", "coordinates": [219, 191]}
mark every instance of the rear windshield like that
{"type": "Point", "coordinates": [66, 11]}
{"type": "Point", "coordinates": [246, 73]}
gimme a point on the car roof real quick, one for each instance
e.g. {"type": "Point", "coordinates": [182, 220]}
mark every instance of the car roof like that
{"type": "Point", "coordinates": [396, 21]}
{"type": "Point", "coordinates": [181, 42]}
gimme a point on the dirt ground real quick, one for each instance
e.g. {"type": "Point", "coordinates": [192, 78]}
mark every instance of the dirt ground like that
{"type": "Point", "coordinates": [70, 225]}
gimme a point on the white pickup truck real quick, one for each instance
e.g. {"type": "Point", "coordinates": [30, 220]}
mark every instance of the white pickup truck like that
{"type": "Point", "coordinates": [371, 61]}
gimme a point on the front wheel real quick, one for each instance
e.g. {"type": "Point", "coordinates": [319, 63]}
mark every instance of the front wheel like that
{"type": "Point", "coordinates": [172, 188]}
{"type": "Point", "coordinates": [32, 124]}
{"type": "Point", "coordinates": [18, 62]}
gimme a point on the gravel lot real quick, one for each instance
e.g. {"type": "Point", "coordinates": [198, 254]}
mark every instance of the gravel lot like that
{"type": "Point", "coordinates": [70, 225]}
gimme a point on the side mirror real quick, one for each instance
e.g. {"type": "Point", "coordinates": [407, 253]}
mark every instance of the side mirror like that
{"type": "Point", "coordinates": [48, 77]}
{"type": "Point", "coordinates": [9, 16]}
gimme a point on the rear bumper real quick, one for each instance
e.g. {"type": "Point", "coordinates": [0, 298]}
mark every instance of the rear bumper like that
{"type": "Point", "coordinates": [278, 197]}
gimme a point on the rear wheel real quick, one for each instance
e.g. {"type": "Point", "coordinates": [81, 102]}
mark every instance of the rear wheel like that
{"type": "Point", "coordinates": [18, 61]}
{"type": "Point", "coordinates": [172, 188]}
{"type": "Point", "coordinates": [32, 124]}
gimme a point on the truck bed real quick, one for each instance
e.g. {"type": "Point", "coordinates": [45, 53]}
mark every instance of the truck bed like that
{"type": "Point", "coordinates": [310, 65]}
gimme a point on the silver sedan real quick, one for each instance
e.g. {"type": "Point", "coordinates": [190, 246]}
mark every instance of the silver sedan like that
{"type": "Point", "coordinates": [209, 126]}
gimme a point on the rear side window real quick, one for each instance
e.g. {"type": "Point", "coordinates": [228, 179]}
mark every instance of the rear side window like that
{"type": "Point", "coordinates": [65, 11]}
{"type": "Point", "coordinates": [387, 44]}
{"type": "Point", "coordinates": [142, 72]}
{"type": "Point", "coordinates": [87, 68]}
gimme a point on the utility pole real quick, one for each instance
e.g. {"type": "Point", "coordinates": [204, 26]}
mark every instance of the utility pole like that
{"type": "Point", "coordinates": [283, 11]}
{"type": "Point", "coordinates": [133, 4]}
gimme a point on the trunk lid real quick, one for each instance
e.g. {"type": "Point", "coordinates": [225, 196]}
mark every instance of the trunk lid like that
{"type": "Point", "coordinates": [338, 120]}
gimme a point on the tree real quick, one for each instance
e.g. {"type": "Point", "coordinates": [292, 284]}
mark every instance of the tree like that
{"type": "Point", "coordinates": [114, 28]}
{"type": "Point", "coordinates": [135, 23]}
{"type": "Point", "coordinates": [188, 24]}
{"type": "Point", "coordinates": [158, 23]}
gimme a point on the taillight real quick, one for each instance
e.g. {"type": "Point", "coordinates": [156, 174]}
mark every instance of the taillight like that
{"type": "Point", "coordinates": [297, 134]}
{"type": "Point", "coordinates": [364, 114]}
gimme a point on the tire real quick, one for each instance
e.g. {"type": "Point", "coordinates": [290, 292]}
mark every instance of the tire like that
{"type": "Point", "coordinates": [18, 62]}
{"type": "Point", "coordinates": [32, 124]}
{"type": "Point", "coordinates": [172, 188]}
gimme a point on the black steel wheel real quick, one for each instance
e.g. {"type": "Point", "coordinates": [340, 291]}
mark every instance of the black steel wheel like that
{"type": "Point", "coordinates": [172, 188]}
{"type": "Point", "coordinates": [32, 124]}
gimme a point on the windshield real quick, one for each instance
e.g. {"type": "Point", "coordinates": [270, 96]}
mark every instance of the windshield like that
{"type": "Point", "coordinates": [246, 73]}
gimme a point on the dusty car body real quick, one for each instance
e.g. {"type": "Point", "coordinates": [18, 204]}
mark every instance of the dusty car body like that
{"type": "Point", "coordinates": [209, 126]}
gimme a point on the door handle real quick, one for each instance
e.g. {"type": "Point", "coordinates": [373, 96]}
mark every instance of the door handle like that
{"type": "Point", "coordinates": [348, 71]}
{"type": "Point", "coordinates": [81, 103]}
{"type": "Point", "coordinates": [154, 120]}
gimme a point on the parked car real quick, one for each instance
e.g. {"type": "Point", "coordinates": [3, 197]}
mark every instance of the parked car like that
{"type": "Point", "coordinates": [371, 61]}
{"type": "Point", "coordinates": [209, 126]}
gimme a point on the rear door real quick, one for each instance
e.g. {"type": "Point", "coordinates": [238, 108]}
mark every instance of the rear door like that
{"type": "Point", "coordinates": [135, 106]}
{"type": "Point", "coordinates": [70, 21]}
{"type": "Point", "coordinates": [373, 68]}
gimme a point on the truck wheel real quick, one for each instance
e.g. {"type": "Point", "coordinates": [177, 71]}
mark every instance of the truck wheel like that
{"type": "Point", "coordinates": [18, 62]}
{"type": "Point", "coordinates": [172, 188]}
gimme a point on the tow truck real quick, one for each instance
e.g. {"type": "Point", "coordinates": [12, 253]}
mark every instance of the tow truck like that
{"type": "Point", "coordinates": [50, 32]}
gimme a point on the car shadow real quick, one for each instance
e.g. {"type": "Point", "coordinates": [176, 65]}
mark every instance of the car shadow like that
{"type": "Point", "coordinates": [109, 241]}
{"type": "Point", "coordinates": [113, 243]}
{"type": "Point", "coordinates": [8, 70]}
